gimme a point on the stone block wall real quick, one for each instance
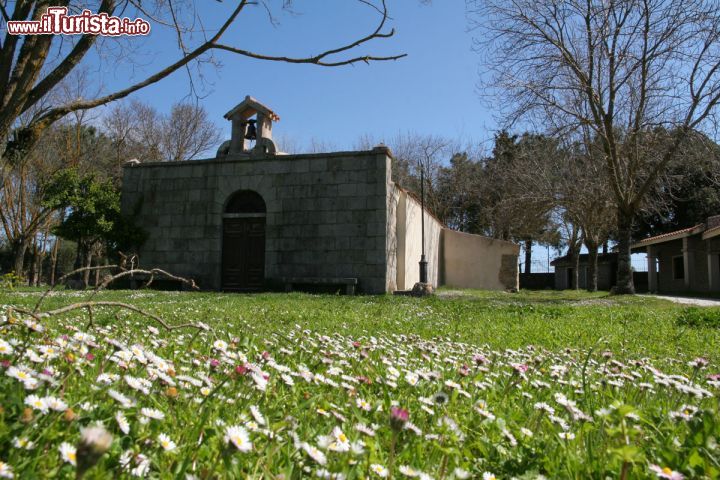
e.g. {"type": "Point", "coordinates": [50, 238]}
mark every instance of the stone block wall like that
{"type": "Point", "coordinates": [327, 214]}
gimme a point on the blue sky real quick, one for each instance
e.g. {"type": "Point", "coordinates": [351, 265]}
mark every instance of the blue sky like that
{"type": "Point", "coordinates": [432, 90]}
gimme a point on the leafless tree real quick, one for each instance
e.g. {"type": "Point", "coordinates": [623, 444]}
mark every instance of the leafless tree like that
{"type": "Point", "coordinates": [518, 197]}
{"type": "Point", "coordinates": [188, 132]}
{"type": "Point", "coordinates": [414, 152]}
{"type": "Point", "coordinates": [583, 195]}
{"type": "Point", "coordinates": [32, 66]}
{"type": "Point", "coordinates": [622, 68]}
{"type": "Point", "coordinates": [137, 130]}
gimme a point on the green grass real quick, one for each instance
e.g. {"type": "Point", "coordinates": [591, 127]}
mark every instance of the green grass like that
{"type": "Point", "coordinates": [607, 357]}
{"type": "Point", "coordinates": [632, 325]}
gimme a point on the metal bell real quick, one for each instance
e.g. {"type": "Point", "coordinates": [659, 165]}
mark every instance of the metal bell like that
{"type": "Point", "coordinates": [251, 133]}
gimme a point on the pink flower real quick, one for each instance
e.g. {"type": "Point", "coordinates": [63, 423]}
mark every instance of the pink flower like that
{"type": "Point", "coordinates": [214, 363]}
{"type": "Point", "coordinates": [714, 376]}
{"type": "Point", "coordinates": [519, 367]}
{"type": "Point", "coordinates": [398, 417]}
{"type": "Point", "coordinates": [699, 362]}
{"type": "Point", "coordinates": [241, 369]}
{"type": "Point", "coordinates": [480, 360]}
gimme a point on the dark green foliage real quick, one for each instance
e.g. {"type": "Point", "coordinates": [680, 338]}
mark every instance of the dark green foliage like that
{"type": "Point", "coordinates": [93, 212]}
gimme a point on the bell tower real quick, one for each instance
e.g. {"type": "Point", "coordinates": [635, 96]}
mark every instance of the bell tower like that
{"type": "Point", "coordinates": [251, 120]}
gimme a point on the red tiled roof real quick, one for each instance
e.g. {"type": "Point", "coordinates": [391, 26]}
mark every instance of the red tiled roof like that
{"type": "Point", "coordinates": [711, 232]}
{"type": "Point", "coordinates": [685, 232]}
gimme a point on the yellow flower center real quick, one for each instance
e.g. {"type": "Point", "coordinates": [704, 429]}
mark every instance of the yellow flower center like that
{"type": "Point", "coordinates": [342, 438]}
{"type": "Point", "coordinates": [667, 470]}
{"type": "Point", "coordinates": [22, 375]}
{"type": "Point", "coordinates": [238, 440]}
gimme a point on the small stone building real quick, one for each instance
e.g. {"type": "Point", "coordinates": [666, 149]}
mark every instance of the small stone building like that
{"type": "Point", "coordinates": [253, 218]}
{"type": "Point", "coordinates": [684, 261]}
{"type": "Point", "coordinates": [565, 271]}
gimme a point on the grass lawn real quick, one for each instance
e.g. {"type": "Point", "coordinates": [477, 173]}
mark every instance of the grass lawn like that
{"type": "Point", "coordinates": [560, 384]}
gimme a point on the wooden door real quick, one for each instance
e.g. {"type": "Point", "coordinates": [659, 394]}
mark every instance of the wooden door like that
{"type": "Point", "coordinates": [243, 257]}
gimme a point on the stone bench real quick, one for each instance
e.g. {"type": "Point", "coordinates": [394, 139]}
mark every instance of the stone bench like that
{"type": "Point", "coordinates": [350, 284]}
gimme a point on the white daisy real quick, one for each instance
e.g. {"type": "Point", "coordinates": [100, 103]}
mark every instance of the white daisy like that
{"type": "Point", "coordinates": [23, 442]}
{"type": "Point", "coordinates": [36, 403]}
{"type": "Point", "coordinates": [122, 422]}
{"type": "Point", "coordinates": [152, 413]}
{"type": "Point", "coordinates": [314, 453]}
{"type": "Point", "coordinates": [408, 471]}
{"type": "Point", "coordinates": [255, 411]}
{"type": "Point", "coordinates": [56, 404]}
{"type": "Point", "coordinates": [5, 349]}
{"type": "Point", "coordinates": [239, 437]}
{"type": "Point", "coordinates": [379, 470]}
{"type": "Point", "coordinates": [6, 470]}
{"type": "Point", "coordinates": [363, 404]}
{"type": "Point", "coordinates": [68, 454]}
{"type": "Point", "coordinates": [166, 443]}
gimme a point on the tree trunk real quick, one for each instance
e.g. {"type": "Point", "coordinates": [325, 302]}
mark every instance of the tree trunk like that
{"type": "Point", "coordinates": [88, 263]}
{"type": "Point", "coordinates": [19, 261]}
{"type": "Point", "coordinates": [79, 263]}
{"type": "Point", "coordinates": [573, 255]}
{"type": "Point", "coordinates": [592, 275]}
{"type": "Point", "coordinates": [53, 262]}
{"type": "Point", "coordinates": [97, 272]}
{"type": "Point", "coordinates": [32, 272]}
{"type": "Point", "coordinates": [624, 284]}
{"type": "Point", "coordinates": [528, 255]}
{"type": "Point", "coordinates": [576, 271]}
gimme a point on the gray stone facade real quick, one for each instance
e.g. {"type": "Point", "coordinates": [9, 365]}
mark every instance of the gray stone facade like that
{"type": "Point", "coordinates": [327, 215]}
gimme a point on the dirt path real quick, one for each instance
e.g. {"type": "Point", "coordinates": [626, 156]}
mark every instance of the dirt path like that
{"type": "Point", "coordinates": [699, 302]}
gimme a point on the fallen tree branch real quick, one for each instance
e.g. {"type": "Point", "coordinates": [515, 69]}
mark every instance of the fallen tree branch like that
{"type": "Point", "coordinates": [87, 305]}
{"type": "Point", "coordinates": [62, 279]}
{"type": "Point", "coordinates": [152, 272]}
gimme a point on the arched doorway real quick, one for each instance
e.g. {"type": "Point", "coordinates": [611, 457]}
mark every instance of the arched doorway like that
{"type": "Point", "coordinates": [243, 247]}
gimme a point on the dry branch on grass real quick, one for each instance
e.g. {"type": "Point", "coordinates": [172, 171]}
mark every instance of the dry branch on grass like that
{"type": "Point", "coordinates": [89, 304]}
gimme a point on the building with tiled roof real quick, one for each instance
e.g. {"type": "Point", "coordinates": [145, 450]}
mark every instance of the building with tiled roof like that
{"type": "Point", "coordinates": [684, 261]}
